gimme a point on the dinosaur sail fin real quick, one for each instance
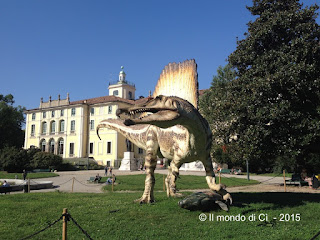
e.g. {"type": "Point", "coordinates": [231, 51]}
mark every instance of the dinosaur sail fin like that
{"type": "Point", "coordinates": [180, 80]}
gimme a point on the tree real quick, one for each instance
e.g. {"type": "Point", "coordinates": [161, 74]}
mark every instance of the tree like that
{"type": "Point", "coordinates": [214, 105]}
{"type": "Point", "coordinates": [45, 160]}
{"type": "Point", "coordinates": [13, 159]}
{"type": "Point", "coordinates": [277, 85]}
{"type": "Point", "coordinates": [11, 120]}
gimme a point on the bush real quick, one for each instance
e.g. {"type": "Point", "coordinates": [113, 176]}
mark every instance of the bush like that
{"type": "Point", "coordinates": [13, 159]}
{"type": "Point", "coordinates": [45, 160]}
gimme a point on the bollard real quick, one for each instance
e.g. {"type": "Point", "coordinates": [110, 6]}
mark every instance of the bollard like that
{"type": "Point", "coordinates": [64, 224]}
{"type": "Point", "coordinates": [28, 184]}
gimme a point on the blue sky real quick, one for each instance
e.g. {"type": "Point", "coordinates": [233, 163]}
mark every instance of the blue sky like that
{"type": "Point", "coordinates": [58, 47]}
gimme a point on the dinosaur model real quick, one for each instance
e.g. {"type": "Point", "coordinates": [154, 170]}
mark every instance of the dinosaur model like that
{"type": "Point", "coordinates": [169, 127]}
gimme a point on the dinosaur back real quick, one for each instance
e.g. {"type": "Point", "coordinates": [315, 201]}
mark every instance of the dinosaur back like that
{"type": "Point", "coordinates": [181, 80]}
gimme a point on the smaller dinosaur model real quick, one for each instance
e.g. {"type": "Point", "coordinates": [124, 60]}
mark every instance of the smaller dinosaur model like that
{"type": "Point", "coordinates": [204, 201]}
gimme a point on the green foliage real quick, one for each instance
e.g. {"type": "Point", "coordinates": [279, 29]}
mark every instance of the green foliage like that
{"type": "Point", "coordinates": [11, 120]}
{"type": "Point", "coordinates": [45, 160]}
{"type": "Point", "coordinates": [277, 89]}
{"type": "Point", "coordinates": [13, 159]}
{"type": "Point", "coordinates": [215, 106]}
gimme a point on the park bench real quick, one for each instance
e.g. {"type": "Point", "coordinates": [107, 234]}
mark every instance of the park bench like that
{"type": "Point", "coordinates": [296, 180]}
{"type": "Point", "coordinates": [226, 171]}
{"type": "Point", "coordinates": [41, 170]}
{"type": "Point", "coordinates": [5, 190]}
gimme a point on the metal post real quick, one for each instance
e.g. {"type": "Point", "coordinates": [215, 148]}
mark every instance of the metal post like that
{"type": "Point", "coordinates": [284, 180]}
{"type": "Point", "coordinates": [164, 184]}
{"type": "Point", "coordinates": [112, 182]}
{"type": "Point", "coordinates": [64, 224]}
{"type": "Point", "coordinates": [248, 177]}
{"type": "Point", "coordinates": [72, 183]}
{"type": "Point", "coordinates": [28, 184]}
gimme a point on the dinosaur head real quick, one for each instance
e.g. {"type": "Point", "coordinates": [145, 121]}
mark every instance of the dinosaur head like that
{"type": "Point", "coordinates": [160, 111]}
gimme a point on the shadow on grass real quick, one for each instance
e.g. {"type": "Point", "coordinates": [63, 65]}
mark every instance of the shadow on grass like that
{"type": "Point", "coordinates": [278, 200]}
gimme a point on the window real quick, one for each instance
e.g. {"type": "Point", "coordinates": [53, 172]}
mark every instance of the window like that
{"type": "Point", "coordinates": [44, 128]}
{"type": "Point", "coordinates": [91, 124]}
{"type": "Point", "coordinates": [33, 128]}
{"type": "Point", "coordinates": [108, 147]}
{"type": "Point", "coordinates": [115, 93]}
{"type": "Point", "coordinates": [33, 116]}
{"type": "Point", "coordinates": [71, 151]}
{"type": "Point", "coordinates": [53, 113]}
{"type": "Point", "coordinates": [60, 146]}
{"type": "Point", "coordinates": [140, 150]}
{"type": "Point", "coordinates": [73, 126]}
{"type": "Point", "coordinates": [44, 115]}
{"type": "Point", "coordinates": [53, 127]}
{"type": "Point", "coordinates": [43, 145]}
{"type": "Point", "coordinates": [92, 111]}
{"type": "Point", "coordinates": [109, 109]}
{"type": "Point", "coordinates": [101, 111]}
{"type": "Point", "coordinates": [51, 146]}
{"type": "Point", "coordinates": [62, 126]}
{"type": "Point", "coordinates": [73, 112]}
{"type": "Point", "coordinates": [91, 148]}
{"type": "Point", "coordinates": [130, 95]}
{"type": "Point", "coordinates": [61, 112]}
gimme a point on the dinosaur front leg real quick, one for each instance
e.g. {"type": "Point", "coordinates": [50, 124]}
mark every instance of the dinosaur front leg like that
{"type": "Point", "coordinates": [211, 181]}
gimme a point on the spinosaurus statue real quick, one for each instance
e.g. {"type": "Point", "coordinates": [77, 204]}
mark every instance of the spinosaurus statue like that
{"type": "Point", "coordinates": [170, 127]}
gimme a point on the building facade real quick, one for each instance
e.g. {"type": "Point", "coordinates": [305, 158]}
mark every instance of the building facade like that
{"type": "Point", "coordinates": [68, 128]}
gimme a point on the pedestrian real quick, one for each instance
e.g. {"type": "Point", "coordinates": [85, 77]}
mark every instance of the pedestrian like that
{"type": "Point", "coordinates": [110, 171]}
{"type": "Point", "coordinates": [24, 174]}
{"type": "Point", "coordinates": [106, 170]}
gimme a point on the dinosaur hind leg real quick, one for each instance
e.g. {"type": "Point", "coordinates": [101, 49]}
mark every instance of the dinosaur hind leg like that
{"type": "Point", "coordinates": [173, 174]}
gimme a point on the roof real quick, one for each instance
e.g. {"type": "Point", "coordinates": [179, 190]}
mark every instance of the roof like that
{"type": "Point", "coordinates": [103, 99]}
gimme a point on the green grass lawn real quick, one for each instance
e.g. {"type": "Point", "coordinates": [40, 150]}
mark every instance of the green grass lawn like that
{"type": "Point", "coordinates": [136, 182]}
{"type": "Point", "coordinates": [30, 175]}
{"type": "Point", "coordinates": [116, 216]}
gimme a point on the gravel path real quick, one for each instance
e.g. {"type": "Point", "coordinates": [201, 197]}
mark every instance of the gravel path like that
{"type": "Point", "coordinates": [65, 180]}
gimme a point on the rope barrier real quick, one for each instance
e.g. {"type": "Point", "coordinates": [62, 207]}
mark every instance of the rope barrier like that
{"type": "Point", "coordinates": [67, 218]}
{"type": "Point", "coordinates": [82, 230]}
{"type": "Point", "coordinates": [42, 230]}
{"type": "Point", "coordinates": [231, 178]}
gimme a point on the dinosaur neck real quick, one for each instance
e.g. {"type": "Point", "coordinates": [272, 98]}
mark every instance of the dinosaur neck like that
{"type": "Point", "coordinates": [135, 133]}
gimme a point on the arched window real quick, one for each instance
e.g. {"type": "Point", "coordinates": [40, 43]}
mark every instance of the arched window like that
{"type": "Point", "coordinates": [53, 127]}
{"type": "Point", "coordinates": [61, 126]}
{"type": "Point", "coordinates": [115, 93]}
{"type": "Point", "coordinates": [60, 146]}
{"type": "Point", "coordinates": [130, 95]}
{"type": "Point", "coordinates": [51, 145]}
{"type": "Point", "coordinates": [44, 128]}
{"type": "Point", "coordinates": [43, 145]}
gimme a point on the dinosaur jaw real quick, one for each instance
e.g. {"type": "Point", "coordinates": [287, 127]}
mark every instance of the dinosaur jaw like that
{"type": "Point", "coordinates": [138, 115]}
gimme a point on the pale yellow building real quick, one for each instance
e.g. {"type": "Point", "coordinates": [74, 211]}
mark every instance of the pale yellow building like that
{"type": "Point", "coordinates": [68, 128]}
